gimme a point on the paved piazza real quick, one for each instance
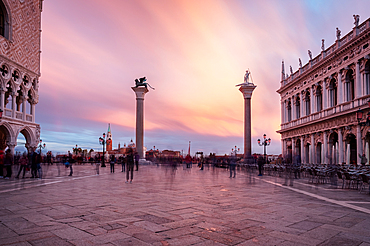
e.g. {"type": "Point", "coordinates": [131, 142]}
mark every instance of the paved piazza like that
{"type": "Point", "coordinates": [182, 207]}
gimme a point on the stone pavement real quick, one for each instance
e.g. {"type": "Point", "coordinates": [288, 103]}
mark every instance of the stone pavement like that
{"type": "Point", "coordinates": [178, 207]}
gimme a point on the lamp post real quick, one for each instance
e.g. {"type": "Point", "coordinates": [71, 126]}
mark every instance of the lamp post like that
{"type": "Point", "coordinates": [75, 150]}
{"type": "Point", "coordinates": [235, 151]}
{"type": "Point", "coordinates": [102, 142]}
{"type": "Point", "coordinates": [41, 146]}
{"type": "Point", "coordinates": [265, 142]}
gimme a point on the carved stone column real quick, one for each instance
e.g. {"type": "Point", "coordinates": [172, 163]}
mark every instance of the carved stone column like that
{"type": "Point", "coordinates": [324, 95]}
{"type": "Point", "coordinates": [312, 154]}
{"type": "Point", "coordinates": [359, 143]}
{"type": "Point", "coordinates": [302, 106]}
{"type": "Point", "coordinates": [325, 148]}
{"type": "Point", "coordinates": [312, 100]}
{"type": "Point", "coordinates": [2, 99]}
{"type": "Point", "coordinates": [293, 108]}
{"type": "Point", "coordinates": [303, 160]}
{"type": "Point", "coordinates": [340, 91]}
{"type": "Point", "coordinates": [24, 107]}
{"type": "Point", "coordinates": [282, 112]}
{"type": "Point", "coordinates": [358, 81]}
{"type": "Point", "coordinates": [14, 104]}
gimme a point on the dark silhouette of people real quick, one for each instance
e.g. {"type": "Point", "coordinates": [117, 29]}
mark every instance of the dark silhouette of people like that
{"type": "Point", "coordinates": [130, 165]}
{"type": "Point", "coordinates": [23, 161]}
{"type": "Point", "coordinates": [137, 158]}
{"type": "Point", "coordinates": [112, 162]}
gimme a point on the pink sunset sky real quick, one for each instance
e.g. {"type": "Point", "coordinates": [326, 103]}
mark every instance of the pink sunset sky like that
{"type": "Point", "coordinates": [192, 52]}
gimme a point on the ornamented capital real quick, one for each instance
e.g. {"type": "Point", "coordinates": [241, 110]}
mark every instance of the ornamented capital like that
{"type": "Point", "coordinates": [140, 92]}
{"type": "Point", "coordinates": [247, 90]}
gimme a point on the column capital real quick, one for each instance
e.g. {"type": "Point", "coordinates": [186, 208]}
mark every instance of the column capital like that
{"type": "Point", "coordinates": [140, 91]}
{"type": "Point", "coordinates": [247, 90]}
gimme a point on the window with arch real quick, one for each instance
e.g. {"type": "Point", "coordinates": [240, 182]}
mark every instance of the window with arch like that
{"type": "Point", "coordinates": [297, 107]}
{"type": "Point", "coordinates": [318, 99]}
{"type": "Point", "coordinates": [332, 93]}
{"type": "Point", "coordinates": [349, 86]}
{"type": "Point", "coordinates": [289, 109]}
{"type": "Point", "coordinates": [367, 78]}
{"type": "Point", "coordinates": [308, 103]}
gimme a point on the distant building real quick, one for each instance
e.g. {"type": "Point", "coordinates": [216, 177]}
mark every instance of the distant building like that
{"type": "Point", "coordinates": [320, 100]}
{"type": "Point", "coordinates": [109, 139]}
{"type": "Point", "coordinates": [20, 42]}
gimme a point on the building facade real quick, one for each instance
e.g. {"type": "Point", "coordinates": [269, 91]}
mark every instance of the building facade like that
{"type": "Point", "coordinates": [20, 44]}
{"type": "Point", "coordinates": [319, 102]}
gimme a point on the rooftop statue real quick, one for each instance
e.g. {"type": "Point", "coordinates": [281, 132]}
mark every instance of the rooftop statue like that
{"type": "Point", "coordinates": [310, 54]}
{"type": "Point", "coordinates": [338, 33]}
{"type": "Point", "coordinates": [357, 20]}
{"type": "Point", "coordinates": [291, 70]}
{"type": "Point", "coordinates": [141, 82]}
{"type": "Point", "coordinates": [323, 45]}
{"type": "Point", "coordinates": [300, 62]}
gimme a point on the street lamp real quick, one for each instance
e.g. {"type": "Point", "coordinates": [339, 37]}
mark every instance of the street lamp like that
{"type": "Point", "coordinates": [41, 146]}
{"type": "Point", "coordinates": [102, 142]}
{"type": "Point", "coordinates": [235, 151]}
{"type": "Point", "coordinates": [265, 142]}
{"type": "Point", "coordinates": [75, 150]}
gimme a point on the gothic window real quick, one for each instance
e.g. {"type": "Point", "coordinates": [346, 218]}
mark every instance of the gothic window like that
{"type": "Point", "coordinates": [367, 78]}
{"type": "Point", "coordinates": [308, 103]}
{"type": "Point", "coordinates": [4, 30]}
{"type": "Point", "coordinates": [289, 109]}
{"type": "Point", "coordinates": [349, 86]}
{"type": "Point", "coordinates": [318, 99]}
{"type": "Point", "coordinates": [332, 93]}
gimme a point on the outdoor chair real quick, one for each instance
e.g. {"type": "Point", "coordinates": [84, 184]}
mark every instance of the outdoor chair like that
{"type": "Point", "coordinates": [311, 175]}
{"type": "Point", "coordinates": [349, 180]}
{"type": "Point", "coordinates": [365, 181]}
{"type": "Point", "coordinates": [319, 176]}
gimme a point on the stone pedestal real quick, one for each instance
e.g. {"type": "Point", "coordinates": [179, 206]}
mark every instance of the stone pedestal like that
{"type": "Point", "coordinates": [247, 90]}
{"type": "Point", "coordinates": [140, 93]}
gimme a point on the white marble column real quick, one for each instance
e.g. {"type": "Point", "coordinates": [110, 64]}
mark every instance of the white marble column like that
{"type": "Point", "coordinates": [325, 149]}
{"type": "Point", "coordinates": [302, 150]}
{"type": "Point", "coordinates": [324, 95]}
{"type": "Point", "coordinates": [293, 108]}
{"type": "Point", "coordinates": [302, 106]}
{"type": "Point", "coordinates": [33, 111]}
{"type": "Point", "coordinates": [358, 81]}
{"type": "Point", "coordinates": [140, 93]}
{"type": "Point", "coordinates": [359, 143]}
{"type": "Point", "coordinates": [2, 100]}
{"type": "Point", "coordinates": [312, 159]}
{"type": "Point", "coordinates": [340, 92]}
{"type": "Point", "coordinates": [340, 146]}
{"type": "Point", "coordinates": [282, 112]}
{"type": "Point", "coordinates": [14, 104]}
{"type": "Point", "coordinates": [24, 107]}
{"type": "Point", "coordinates": [312, 100]}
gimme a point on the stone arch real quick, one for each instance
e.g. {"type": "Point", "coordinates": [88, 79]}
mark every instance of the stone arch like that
{"type": "Point", "coordinates": [5, 71]}
{"type": "Point", "coordinates": [349, 84]}
{"type": "Point", "coordinates": [6, 135]}
{"type": "Point", "coordinates": [350, 141]}
{"type": "Point", "coordinates": [29, 135]}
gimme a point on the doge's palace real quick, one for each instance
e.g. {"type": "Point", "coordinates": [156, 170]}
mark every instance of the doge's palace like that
{"type": "Point", "coordinates": [321, 101]}
{"type": "Point", "coordinates": [20, 44]}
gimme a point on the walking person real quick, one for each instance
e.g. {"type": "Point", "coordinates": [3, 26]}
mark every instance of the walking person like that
{"type": "Point", "coordinates": [38, 164]}
{"type": "Point", "coordinates": [97, 163]}
{"type": "Point", "coordinates": [8, 162]}
{"type": "Point", "coordinates": [260, 163]}
{"type": "Point", "coordinates": [2, 156]}
{"type": "Point", "coordinates": [112, 162]}
{"type": "Point", "coordinates": [123, 163]}
{"type": "Point", "coordinates": [70, 159]}
{"type": "Point", "coordinates": [363, 159]}
{"type": "Point", "coordinates": [23, 161]}
{"type": "Point", "coordinates": [130, 165]}
{"type": "Point", "coordinates": [34, 165]}
{"type": "Point", "coordinates": [137, 158]}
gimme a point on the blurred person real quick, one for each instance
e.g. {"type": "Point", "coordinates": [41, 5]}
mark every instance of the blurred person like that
{"type": "Point", "coordinates": [123, 163]}
{"type": "Point", "coordinates": [8, 162]}
{"type": "Point", "coordinates": [49, 158]}
{"type": "Point", "coordinates": [34, 165]}
{"type": "Point", "coordinates": [137, 158]}
{"type": "Point", "coordinates": [38, 163]}
{"type": "Point", "coordinates": [70, 159]}
{"type": "Point", "coordinates": [232, 165]}
{"type": "Point", "coordinates": [2, 156]}
{"type": "Point", "coordinates": [130, 165]}
{"type": "Point", "coordinates": [23, 161]}
{"type": "Point", "coordinates": [297, 166]}
{"type": "Point", "coordinates": [363, 159]}
{"type": "Point", "coordinates": [112, 162]}
{"type": "Point", "coordinates": [260, 162]}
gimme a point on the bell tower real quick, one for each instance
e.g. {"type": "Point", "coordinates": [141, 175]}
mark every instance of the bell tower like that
{"type": "Point", "coordinates": [109, 139]}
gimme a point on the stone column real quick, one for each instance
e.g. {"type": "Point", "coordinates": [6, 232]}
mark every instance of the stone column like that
{"type": "Point", "coordinates": [340, 146]}
{"type": "Point", "coordinates": [358, 81]}
{"type": "Point", "coordinates": [293, 108]}
{"type": "Point", "coordinates": [325, 148]}
{"type": "Point", "coordinates": [283, 147]}
{"type": "Point", "coordinates": [33, 110]}
{"type": "Point", "coordinates": [340, 92]}
{"type": "Point", "coordinates": [312, 101]}
{"type": "Point", "coordinates": [14, 104]}
{"type": "Point", "coordinates": [2, 100]}
{"type": "Point", "coordinates": [282, 112]}
{"type": "Point", "coordinates": [302, 151]}
{"type": "Point", "coordinates": [140, 93]}
{"type": "Point", "coordinates": [24, 107]}
{"type": "Point", "coordinates": [293, 148]}
{"type": "Point", "coordinates": [312, 159]}
{"type": "Point", "coordinates": [359, 143]}
{"type": "Point", "coordinates": [247, 90]}
{"type": "Point", "coordinates": [302, 106]}
{"type": "Point", "coordinates": [324, 95]}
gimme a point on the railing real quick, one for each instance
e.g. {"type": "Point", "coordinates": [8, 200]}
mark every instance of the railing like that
{"type": "Point", "coordinates": [363, 101]}
{"type": "Point", "coordinates": [8, 112]}
{"type": "Point", "coordinates": [28, 117]}
{"type": "Point", "coordinates": [19, 115]}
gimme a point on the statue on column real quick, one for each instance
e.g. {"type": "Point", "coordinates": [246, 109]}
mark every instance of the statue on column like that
{"type": "Point", "coordinates": [246, 79]}
{"type": "Point", "coordinates": [141, 82]}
